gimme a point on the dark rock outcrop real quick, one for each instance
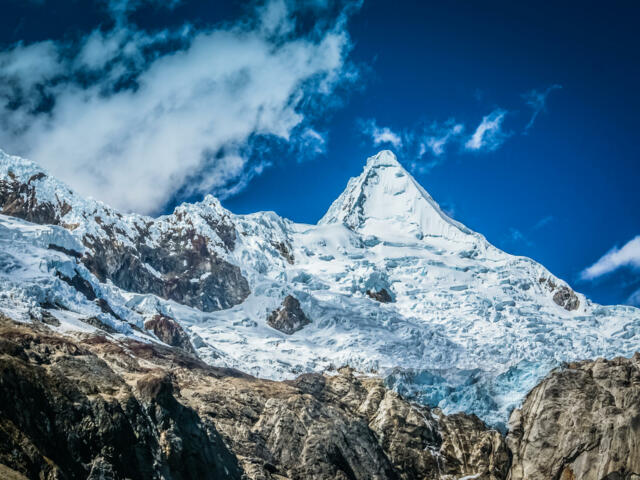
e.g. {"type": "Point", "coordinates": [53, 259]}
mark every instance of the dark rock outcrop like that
{"type": "Point", "coordinates": [19, 200]}
{"type": "Point", "coordinates": [284, 251]}
{"type": "Point", "coordinates": [183, 269]}
{"type": "Point", "coordinates": [170, 332]}
{"type": "Point", "coordinates": [381, 295]}
{"type": "Point", "coordinates": [581, 422]}
{"type": "Point", "coordinates": [179, 265]}
{"type": "Point", "coordinates": [289, 317]}
{"type": "Point", "coordinates": [96, 408]}
{"type": "Point", "coordinates": [566, 298]}
{"type": "Point", "coordinates": [80, 284]}
{"type": "Point", "coordinates": [469, 442]}
{"type": "Point", "coordinates": [563, 296]}
{"type": "Point", "coordinates": [65, 413]}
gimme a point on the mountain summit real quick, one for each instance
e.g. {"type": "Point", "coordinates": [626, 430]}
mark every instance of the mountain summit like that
{"type": "Point", "coordinates": [385, 283]}
{"type": "Point", "coordinates": [386, 200]}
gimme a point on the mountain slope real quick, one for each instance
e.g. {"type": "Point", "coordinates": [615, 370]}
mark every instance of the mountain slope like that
{"type": "Point", "coordinates": [389, 283]}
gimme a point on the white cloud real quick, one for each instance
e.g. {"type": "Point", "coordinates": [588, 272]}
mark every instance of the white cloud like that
{"type": "Point", "coordinates": [381, 135]}
{"type": "Point", "coordinates": [185, 119]}
{"type": "Point", "coordinates": [489, 135]}
{"type": "Point", "coordinates": [627, 256]}
{"type": "Point", "coordinates": [423, 146]}
{"type": "Point", "coordinates": [437, 143]}
{"type": "Point", "coordinates": [537, 101]}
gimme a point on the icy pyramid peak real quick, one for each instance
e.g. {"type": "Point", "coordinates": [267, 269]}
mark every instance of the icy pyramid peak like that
{"type": "Point", "coordinates": [384, 158]}
{"type": "Point", "coordinates": [386, 201]}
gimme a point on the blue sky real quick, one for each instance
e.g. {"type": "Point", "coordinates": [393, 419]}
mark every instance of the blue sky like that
{"type": "Point", "coordinates": [520, 118]}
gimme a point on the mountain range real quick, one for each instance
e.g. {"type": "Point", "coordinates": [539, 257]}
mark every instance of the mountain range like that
{"type": "Point", "coordinates": [386, 285]}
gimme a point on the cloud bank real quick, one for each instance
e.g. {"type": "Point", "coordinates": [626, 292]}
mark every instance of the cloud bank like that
{"type": "Point", "coordinates": [132, 117]}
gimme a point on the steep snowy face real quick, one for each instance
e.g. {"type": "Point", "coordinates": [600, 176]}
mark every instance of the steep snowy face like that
{"type": "Point", "coordinates": [385, 201]}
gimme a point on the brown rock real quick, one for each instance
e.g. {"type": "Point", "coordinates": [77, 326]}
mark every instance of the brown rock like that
{"type": "Point", "coordinates": [380, 295]}
{"type": "Point", "coordinates": [581, 422]}
{"type": "Point", "coordinates": [289, 317]}
{"type": "Point", "coordinates": [178, 257]}
{"type": "Point", "coordinates": [97, 407]}
{"type": "Point", "coordinates": [170, 332]}
{"type": "Point", "coordinates": [566, 298]}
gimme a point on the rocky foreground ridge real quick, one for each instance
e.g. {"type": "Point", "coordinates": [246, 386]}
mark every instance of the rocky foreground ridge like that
{"type": "Point", "coordinates": [99, 406]}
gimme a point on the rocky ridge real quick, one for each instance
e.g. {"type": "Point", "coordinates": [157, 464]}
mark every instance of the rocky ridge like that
{"type": "Point", "coordinates": [139, 254]}
{"type": "Point", "coordinates": [71, 406]}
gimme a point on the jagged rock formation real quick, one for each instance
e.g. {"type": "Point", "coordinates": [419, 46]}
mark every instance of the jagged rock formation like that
{"type": "Point", "coordinates": [285, 251]}
{"type": "Point", "coordinates": [93, 407]}
{"type": "Point", "coordinates": [168, 257]}
{"type": "Point", "coordinates": [582, 422]}
{"type": "Point", "coordinates": [170, 332]}
{"type": "Point", "coordinates": [18, 199]}
{"type": "Point", "coordinates": [563, 296]}
{"type": "Point", "coordinates": [66, 413]}
{"type": "Point", "coordinates": [566, 298]}
{"type": "Point", "coordinates": [289, 317]}
{"type": "Point", "coordinates": [476, 449]}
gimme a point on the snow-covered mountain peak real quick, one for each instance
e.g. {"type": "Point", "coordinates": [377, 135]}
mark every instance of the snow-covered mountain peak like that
{"type": "Point", "coordinates": [384, 158]}
{"type": "Point", "coordinates": [389, 284]}
{"type": "Point", "coordinates": [386, 201]}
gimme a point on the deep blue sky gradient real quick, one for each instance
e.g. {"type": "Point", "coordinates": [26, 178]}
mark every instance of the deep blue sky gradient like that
{"type": "Point", "coordinates": [431, 61]}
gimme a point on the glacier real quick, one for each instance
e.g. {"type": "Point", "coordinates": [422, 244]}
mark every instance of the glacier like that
{"type": "Point", "coordinates": [468, 328]}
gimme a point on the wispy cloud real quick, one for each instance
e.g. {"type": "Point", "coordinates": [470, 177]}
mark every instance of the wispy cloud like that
{"type": "Point", "coordinates": [424, 145]}
{"type": "Point", "coordinates": [537, 100]}
{"type": "Point", "coordinates": [517, 236]}
{"type": "Point", "coordinates": [489, 134]}
{"type": "Point", "coordinates": [132, 117]}
{"type": "Point", "coordinates": [381, 135]}
{"type": "Point", "coordinates": [627, 256]}
{"type": "Point", "coordinates": [543, 222]}
{"type": "Point", "coordinates": [442, 135]}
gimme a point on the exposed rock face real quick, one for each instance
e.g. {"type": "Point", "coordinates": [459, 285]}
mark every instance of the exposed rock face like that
{"type": "Point", "coordinates": [180, 264]}
{"type": "Point", "coordinates": [380, 295]}
{"type": "Point", "coordinates": [468, 445]}
{"type": "Point", "coordinates": [581, 422]}
{"type": "Point", "coordinates": [170, 332]}
{"type": "Point", "coordinates": [176, 259]}
{"type": "Point", "coordinates": [285, 251]}
{"type": "Point", "coordinates": [566, 298]}
{"type": "Point", "coordinates": [289, 317]}
{"type": "Point", "coordinates": [563, 296]}
{"type": "Point", "coordinates": [96, 408]}
{"type": "Point", "coordinates": [65, 413]}
{"type": "Point", "coordinates": [19, 200]}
